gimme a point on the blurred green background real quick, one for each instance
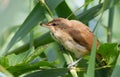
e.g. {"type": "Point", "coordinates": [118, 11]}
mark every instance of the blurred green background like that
{"type": "Point", "coordinates": [14, 12]}
{"type": "Point", "coordinates": [32, 47]}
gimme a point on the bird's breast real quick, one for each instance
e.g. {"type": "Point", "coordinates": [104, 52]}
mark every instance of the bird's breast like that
{"type": "Point", "coordinates": [67, 41]}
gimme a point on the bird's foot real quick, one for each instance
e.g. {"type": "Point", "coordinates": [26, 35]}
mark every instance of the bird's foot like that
{"type": "Point", "coordinates": [73, 64]}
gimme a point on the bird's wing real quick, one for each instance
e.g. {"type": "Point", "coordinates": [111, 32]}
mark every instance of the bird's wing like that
{"type": "Point", "coordinates": [82, 34]}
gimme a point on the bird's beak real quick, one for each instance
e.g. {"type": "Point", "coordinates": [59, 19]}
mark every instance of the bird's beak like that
{"type": "Point", "coordinates": [46, 25]}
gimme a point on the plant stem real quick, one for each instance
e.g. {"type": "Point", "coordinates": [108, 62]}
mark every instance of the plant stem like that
{"type": "Point", "coordinates": [110, 24]}
{"type": "Point", "coordinates": [69, 60]}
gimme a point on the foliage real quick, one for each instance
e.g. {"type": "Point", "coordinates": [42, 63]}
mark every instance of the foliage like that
{"type": "Point", "coordinates": [40, 55]}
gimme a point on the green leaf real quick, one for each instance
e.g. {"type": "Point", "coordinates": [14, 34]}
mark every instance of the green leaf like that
{"type": "Point", "coordinates": [64, 11]}
{"type": "Point", "coordinates": [91, 65]}
{"type": "Point", "coordinates": [35, 54]}
{"type": "Point", "coordinates": [52, 4]}
{"type": "Point", "coordinates": [107, 4]}
{"type": "Point", "coordinates": [26, 67]}
{"type": "Point", "coordinates": [53, 55]}
{"type": "Point", "coordinates": [7, 33]}
{"type": "Point", "coordinates": [40, 41]}
{"type": "Point", "coordinates": [109, 52]}
{"type": "Point", "coordinates": [31, 21]}
{"type": "Point", "coordinates": [4, 61]}
{"type": "Point", "coordinates": [15, 59]}
{"type": "Point", "coordinates": [4, 72]}
{"type": "Point", "coordinates": [116, 71]}
{"type": "Point", "coordinates": [91, 13]}
{"type": "Point", "coordinates": [48, 73]}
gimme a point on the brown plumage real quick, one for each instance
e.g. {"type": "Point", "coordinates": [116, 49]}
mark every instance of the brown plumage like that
{"type": "Point", "coordinates": [73, 35]}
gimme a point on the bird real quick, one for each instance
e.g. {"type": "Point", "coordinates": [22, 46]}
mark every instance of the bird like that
{"type": "Point", "coordinates": [73, 35]}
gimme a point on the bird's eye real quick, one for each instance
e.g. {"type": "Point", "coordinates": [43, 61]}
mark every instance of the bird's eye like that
{"type": "Point", "coordinates": [54, 24]}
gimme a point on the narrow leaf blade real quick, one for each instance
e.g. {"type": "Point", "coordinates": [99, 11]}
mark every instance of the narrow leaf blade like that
{"type": "Point", "coordinates": [31, 21]}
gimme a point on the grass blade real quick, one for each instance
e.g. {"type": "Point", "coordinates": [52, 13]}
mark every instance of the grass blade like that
{"type": "Point", "coordinates": [31, 21]}
{"type": "Point", "coordinates": [91, 66]}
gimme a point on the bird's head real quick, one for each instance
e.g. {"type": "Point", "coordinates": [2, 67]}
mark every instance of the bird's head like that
{"type": "Point", "coordinates": [58, 23]}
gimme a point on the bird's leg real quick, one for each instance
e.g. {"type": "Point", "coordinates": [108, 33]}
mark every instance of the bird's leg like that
{"type": "Point", "coordinates": [73, 64]}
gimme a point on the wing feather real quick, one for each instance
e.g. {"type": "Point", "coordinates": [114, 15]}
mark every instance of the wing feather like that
{"type": "Point", "coordinates": [82, 34]}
